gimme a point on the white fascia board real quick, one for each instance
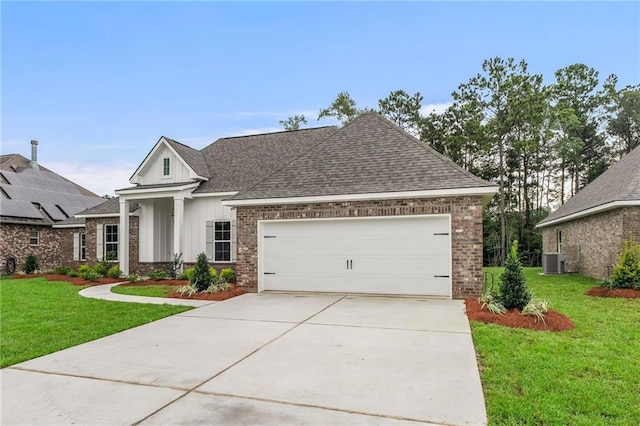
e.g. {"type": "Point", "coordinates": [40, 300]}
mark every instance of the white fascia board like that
{"type": "Point", "coordinates": [134, 213]}
{"type": "Point", "coordinates": [484, 190]}
{"type": "Point", "coordinates": [588, 212]}
{"type": "Point", "coordinates": [145, 193]}
{"type": "Point", "coordinates": [78, 225]}
{"type": "Point", "coordinates": [214, 194]}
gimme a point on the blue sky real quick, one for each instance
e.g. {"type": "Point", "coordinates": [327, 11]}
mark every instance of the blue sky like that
{"type": "Point", "coordinates": [98, 83]}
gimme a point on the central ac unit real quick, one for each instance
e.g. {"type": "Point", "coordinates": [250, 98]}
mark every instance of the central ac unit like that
{"type": "Point", "coordinates": [552, 263]}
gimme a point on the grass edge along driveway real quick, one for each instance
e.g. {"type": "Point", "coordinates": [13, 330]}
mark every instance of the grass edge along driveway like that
{"type": "Point", "coordinates": [587, 376]}
{"type": "Point", "coordinates": [38, 317]}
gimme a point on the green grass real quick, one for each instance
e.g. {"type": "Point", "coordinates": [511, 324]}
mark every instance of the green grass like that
{"type": "Point", "coordinates": [153, 290]}
{"type": "Point", "coordinates": [586, 376]}
{"type": "Point", "coordinates": [38, 317]}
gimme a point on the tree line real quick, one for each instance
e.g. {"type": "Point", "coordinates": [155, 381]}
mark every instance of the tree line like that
{"type": "Point", "coordinates": [540, 143]}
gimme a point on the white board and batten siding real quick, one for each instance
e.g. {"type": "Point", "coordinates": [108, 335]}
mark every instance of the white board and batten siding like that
{"type": "Point", "coordinates": [156, 228]}
{"type": "Point", "coordinates": [408, 255]}
{"type": "Point", "coordinates": [153, 172]}
{"type": "Point", "coordinates": [199, 216]}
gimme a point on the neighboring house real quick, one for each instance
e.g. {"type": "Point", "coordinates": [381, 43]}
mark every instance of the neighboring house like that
{"type": "Point", "coordinates": [589, 228]}
{"type": "Point", "coordinates": [365, 208]}
{"type": "Point", "coordinates": [33, 200]}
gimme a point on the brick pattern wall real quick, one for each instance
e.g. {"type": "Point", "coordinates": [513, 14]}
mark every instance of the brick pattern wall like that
{"type": "Point", "coordinates": [14, 241]}
{"type": "Point", "coordinates": [592, 244]}
{"type": "Point", "coordinates": [631, 223]}
{"type": "Point", "coordinates": [466, 232]}
{"type": "Point", "coordinates": [134, 242]}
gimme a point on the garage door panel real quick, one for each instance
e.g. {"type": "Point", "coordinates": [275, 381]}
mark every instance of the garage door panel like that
{"type": "Point", "coordinates": [386, 255]}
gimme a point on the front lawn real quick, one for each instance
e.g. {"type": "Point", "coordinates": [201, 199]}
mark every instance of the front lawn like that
{"type": "Point", "coordinates": [38, 317]}
{"type": "Point", "coordinates": [587, 376]}
{"type": "Point", "coordinates": [153, 290]}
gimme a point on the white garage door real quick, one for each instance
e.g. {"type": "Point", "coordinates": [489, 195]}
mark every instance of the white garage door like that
{"type": "Point", "coordinates": [398, 255]}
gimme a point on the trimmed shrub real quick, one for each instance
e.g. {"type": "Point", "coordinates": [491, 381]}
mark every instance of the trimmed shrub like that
{"type": "Point", "coordinates": [513, 284]}
{"type": "Point", "coordinates": [30, 264]}
{"type": "Point", "coordinates": [115, 272]}
{"type": "Point", "coordinates": [214, 275]}
{"type": "Point", "coordinates": [188, 273]}
{"type": "Point", "coordinates": [158, 275]}
{"type": "Point", "coordinates": [101, 269]}
{"type": "Point", "coordinates": [62, 270]}
{"type": "Point", "coordinates": [91, 275]}
{"type": "Point", "coordinates": [626, 273]}
{"type": "Point", "coordinates": [201, 279]}
{"type": "Point", "coordinates": [228, 275]}
{"type": "Point", "coordinates": [133, 278]}
{"type": "Point", "coordinates": [83, 268]}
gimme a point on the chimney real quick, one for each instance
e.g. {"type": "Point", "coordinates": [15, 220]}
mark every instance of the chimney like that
{"type": "Point", "coordinates": [34, 154]}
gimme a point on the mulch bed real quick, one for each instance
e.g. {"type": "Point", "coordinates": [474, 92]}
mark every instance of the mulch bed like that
{"type": "Point", "coordinates": [71, 280]}
{"type": "Point", "coordinates": [223, 295]}
{"type": "Point", "coordinates": [628, 293]}
{"type": "Point", "coordinates": [553, 320]}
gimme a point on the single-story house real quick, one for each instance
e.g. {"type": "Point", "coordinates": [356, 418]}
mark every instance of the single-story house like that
{"type": "Point", "coordinates": [588, 230]}
{"type": "Point", "coordinates": [33, 200]}
{"type": "Point", "coordinates": [364, 208]}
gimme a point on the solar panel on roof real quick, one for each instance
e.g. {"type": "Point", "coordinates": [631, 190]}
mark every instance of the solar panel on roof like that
{"type": "Point", "coordinates": [53, 212]}
{"type": "Point", "coordinates": [19, 208]}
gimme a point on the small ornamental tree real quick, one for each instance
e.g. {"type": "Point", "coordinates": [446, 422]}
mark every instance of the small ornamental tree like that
{"type": "Point", "coordinates": [201, 278]}
{"type": "Point", "coordinates": [513, 284]}
{"type": "Point", "coordinates": [626, 273]}
{"type": "Point", "coordinates": [30, 264]}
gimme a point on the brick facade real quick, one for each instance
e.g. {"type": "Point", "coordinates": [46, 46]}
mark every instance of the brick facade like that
{"type": "Point", "coordinates": [14, 241]}
{"type": "Point", "coordinates": [466, 232]}
{"type": "Point", "coordinates": [591, 245]}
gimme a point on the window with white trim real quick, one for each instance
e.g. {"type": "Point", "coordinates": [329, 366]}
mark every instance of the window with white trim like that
{"type": "Point", "coordinates": [82, 253]}
{"type": "Point", "coordinates": [111, 242]}
{"type": "Point", "coordinates": [559, 236]}
{"type": "Point", "coordinates": [222, 241]}
{"type": "Point", "coordinates": [166, 166]}
{"type": "Point", "coordinates": [34, 237]}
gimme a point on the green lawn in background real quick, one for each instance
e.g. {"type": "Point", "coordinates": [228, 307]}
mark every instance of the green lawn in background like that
{"type": "Point", "coordinates": [153, 290]}
{"type": "Point", "coordinates": [586, 376]}
{"type": "Point", "coordinates": [38, 317]}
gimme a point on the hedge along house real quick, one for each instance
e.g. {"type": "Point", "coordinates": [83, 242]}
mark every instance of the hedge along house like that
{"type": "Point", "coordinates": [589, 228]}
{"type": "Point", "coordinates": [366, 208]}
{"type": "Point", "coordinates": [33, 202]}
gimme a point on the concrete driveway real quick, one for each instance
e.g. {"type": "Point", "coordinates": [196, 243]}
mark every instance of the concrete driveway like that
{"type": "Point", "coordinates": [264, 359]}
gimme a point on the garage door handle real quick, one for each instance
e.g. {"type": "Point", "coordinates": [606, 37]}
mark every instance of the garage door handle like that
{"type": "Point", "coordinates": [441, 276]}
{"type": "Point", "coordinates": [269, 273]}
{"type": "Point", "coordinates": [351, 264]}
{"type": "Point", "coordinates": [440, 233]}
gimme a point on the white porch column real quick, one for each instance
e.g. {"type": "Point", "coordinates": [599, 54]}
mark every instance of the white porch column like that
{"type": "Point", "coordinates": [123, 237]}
{"type": "Point", "coordinates": [178, 225]}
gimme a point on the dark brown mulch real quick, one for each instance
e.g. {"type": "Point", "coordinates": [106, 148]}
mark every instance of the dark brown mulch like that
{"type": "Point", "coordinates": [628, 293]}
{"type": "Point", "coordinates": [223, 295]}
{"type": "Point", "coordinates": [553, 320]}
{"type": "Point", "coordinates": [71, 280]}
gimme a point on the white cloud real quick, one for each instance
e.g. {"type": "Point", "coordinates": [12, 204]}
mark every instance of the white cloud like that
{"type": "Point", "coordinates": [99, 178]}
{"type": "Point", "coordinates": [438, 109]}
{"type": "Point", "coordinates": [256, 131]}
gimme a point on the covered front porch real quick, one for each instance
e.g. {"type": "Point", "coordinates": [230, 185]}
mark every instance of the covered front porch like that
{"type": "Point", "coordinates": [162, 222]}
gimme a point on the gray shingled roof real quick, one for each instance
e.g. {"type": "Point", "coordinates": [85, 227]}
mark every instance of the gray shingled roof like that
{"type": "Point", "coordinates": [111, 206]}
{"type": "Point", "coordinates": [236, 163]}
{"type": "Point", "coordinates": [368, 155]}
{"type": "Point", "coordinates": [621, 182]}
{"type": "Point", "coordinates": [38, 195]}
{"type": "Point", "coordinates": [72, 221]}
{"type": "Point", "coordinates": [193, 157]}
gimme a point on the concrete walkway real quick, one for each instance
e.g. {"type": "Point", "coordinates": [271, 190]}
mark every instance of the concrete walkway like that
{"type": "Point", "coordinates": [104, 292]}
{"type": "Point", "coordinates": [275, 359]}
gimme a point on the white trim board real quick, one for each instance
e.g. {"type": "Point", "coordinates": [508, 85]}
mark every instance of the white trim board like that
{"type": "Point", "coordinates": [484, 190]}
{"type": "Point", "coordinates": [588, 212]}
